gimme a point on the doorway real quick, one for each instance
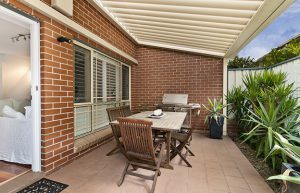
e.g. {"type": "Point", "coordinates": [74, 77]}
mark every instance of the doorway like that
{"type": "Point", "coordinates": [20, 91]}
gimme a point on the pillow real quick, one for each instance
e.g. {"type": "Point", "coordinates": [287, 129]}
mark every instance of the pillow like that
{"type": "Point", "coordinates": [28, 112]}
{"type": "Point", "coordinates": [7, 111]}
{"type": "Point", "coordinates": [3, 102]}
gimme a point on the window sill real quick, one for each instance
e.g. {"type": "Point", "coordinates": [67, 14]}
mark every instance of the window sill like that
{"type": "Point", "coordinates": [87, 141]}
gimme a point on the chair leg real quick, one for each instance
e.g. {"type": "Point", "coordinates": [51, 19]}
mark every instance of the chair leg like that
{"type": "Point", "coordinates": [123, 174]}
{"type": "Point", "coordinates": [112, 151]}
{"type": "Point", "coordinates": [154, 181]}
{"type": "Point", "coordinates": [188, 150]}
{"type": "Point", "coordinates": [181, 156]}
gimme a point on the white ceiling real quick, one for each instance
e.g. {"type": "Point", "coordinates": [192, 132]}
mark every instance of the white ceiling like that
{"type": "Point", "coordinates": [9, 29]}
{"type": "Point", "coordinates": [203, 26]}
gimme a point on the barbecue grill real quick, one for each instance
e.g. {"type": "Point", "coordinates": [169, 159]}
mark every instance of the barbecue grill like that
{"type": "Point", "coordinates": [179, 103]}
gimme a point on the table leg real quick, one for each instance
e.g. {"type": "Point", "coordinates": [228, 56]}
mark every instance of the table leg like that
{"type": "Point", "coordinates": [166, 164]}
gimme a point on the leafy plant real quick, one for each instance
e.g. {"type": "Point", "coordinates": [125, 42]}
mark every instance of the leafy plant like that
{"type": "Point", "coordinates": [215, 108]}
{"type": "Point", "coordinates": [265, 106]}
{"type": "Point", "coordinates": [261, 85]}
{"type": "Point", "coordinates": [276, 56]}
{"type": "Point", "coordinates": [238, 105]}
{"type": "Point", "coordinates": [269, 119]}
{"type": "Point", "coordinates": [283, 146]}
{"type": "Point", "coordinates": [242, 62]}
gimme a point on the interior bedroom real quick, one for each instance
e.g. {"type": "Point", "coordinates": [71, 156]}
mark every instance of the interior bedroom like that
{"type": "Point", "coordinates": [16, 130]}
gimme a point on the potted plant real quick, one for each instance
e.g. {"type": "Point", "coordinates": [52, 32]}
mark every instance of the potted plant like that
{"type": "Point", "coordinates": [215, 118]}
{"type": "Point", "coordinates": [290, 172]}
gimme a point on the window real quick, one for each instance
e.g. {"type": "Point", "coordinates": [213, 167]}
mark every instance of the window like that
{"type": "Point", "coordinates": [100, 83]}
{"type": "Point", "coordinates": [98, 79]}
{"type": "Point", "coordinates": [125, 82]}
{"type": "Point", "coordinates": [83, 75]}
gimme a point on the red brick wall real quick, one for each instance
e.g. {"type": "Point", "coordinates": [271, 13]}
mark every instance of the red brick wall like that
{"type": "Point", "coordinates": [232, 128]}
{"type": "Point", "coordinates": [57, 75]}
{"type": "Point", "coordinates": [178, 72]}
{"type": "Point", "coordinates": [87, 16]}
{"type": "Point", "coordinates": [165, 71]}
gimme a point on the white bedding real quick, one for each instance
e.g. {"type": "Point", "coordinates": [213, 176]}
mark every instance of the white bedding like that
{"type": "Point", "coordinates": [16, 140]}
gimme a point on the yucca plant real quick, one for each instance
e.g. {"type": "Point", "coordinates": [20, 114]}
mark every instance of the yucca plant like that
{"type": "Point", "coordinates": [215, 109]}
{"type": "Point", "coordinates": [283, 146]}
{"type": "Point", "coordinates": [215, 117]}
{"type": "Point", "coordinates": [259, 86]}
{"type": "Point", "coordinates": [238, 106]}
{"type": "Point", "coordinates": [270, 118]}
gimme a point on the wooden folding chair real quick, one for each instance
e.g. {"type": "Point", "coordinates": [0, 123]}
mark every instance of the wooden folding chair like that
{"type": "Point", "coordinates": [125, 111]}
{"type": "Point", "coordinates": [140, 149]}
{"type": "Point", "coordinates": [183, 138]}
{"type": "Point", "coordinates": [113, 114]}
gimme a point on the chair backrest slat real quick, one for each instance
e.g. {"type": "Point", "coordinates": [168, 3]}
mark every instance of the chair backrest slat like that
{"type": "Point", "coordinates": [113, 114]}
{"type": "Point", "coordinates": [125, 110]}
{"type": "Point", "coordinates": [137, 139]}
{"type": "Point", "coordinates": [188, 119]}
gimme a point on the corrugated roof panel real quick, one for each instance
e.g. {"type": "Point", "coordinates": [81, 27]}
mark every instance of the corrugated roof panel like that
{"type": "Point", "coordinates": [202, 26]}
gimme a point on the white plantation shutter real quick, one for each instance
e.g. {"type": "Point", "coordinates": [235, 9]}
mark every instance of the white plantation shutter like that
{"type": "Point", "coordinates": [125, 83]}
{"type": "Point", "coordinates": [100, 118]}
{"type": "Point", "coordinates": [111, 88]}
{"type": "Point", "coordinates": [110, 79]}
{"type": "Point", "coordinates": [83, 120]}
{"type": "Point", "coordinates": [97, 79]}
{"type": "Point", "coordinates": [106, 85]}
{"type": "Point", "coordinates": [82, 75]}
{"type": "Point", "coordinates": [113, 84]}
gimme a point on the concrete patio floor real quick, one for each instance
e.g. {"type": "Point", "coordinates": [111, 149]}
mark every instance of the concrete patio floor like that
{"type": "Point", "coordinates": [218, 167]}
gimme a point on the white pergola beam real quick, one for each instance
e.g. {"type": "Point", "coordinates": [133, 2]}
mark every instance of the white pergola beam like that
{"type": "Point", "coordinates": [188, 39]}
{"type": "Point", "coordinates": [265, 15]}
{"type": "Point", "coordinates": [225, 89]}
{"type": "Point", "coordinates": [181, 34]}
{"type": "Point", "coordinates": [182, 48]}
{"type": "Point", "coordinates": [184, 31]}
{"type": "Point", "coordinates": [183, 44]}
{"type": "Point", "coordinates": [187, 16]}
{"type": "Point", "coordinates": [182, 21]}
{"type": "Point", "coordinates": [225, 4]}
{"type": "Point", "coordinates": [181, 9]}
{"type": "Point", "coordinates": [180, 26]}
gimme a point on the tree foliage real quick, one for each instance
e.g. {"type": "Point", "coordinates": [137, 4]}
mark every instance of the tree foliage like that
{"type": "Point", "coordinates": [241, 62]}
{"type": "Point", "coordinates": [290, 50]}
{"type": "Point", "coordinates": [276, 56]}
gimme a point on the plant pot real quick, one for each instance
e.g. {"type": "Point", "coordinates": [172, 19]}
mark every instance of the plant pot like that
{"type": "Point", "coordinates": [216, 128]}
{"type": "Point", "coordinates": [291, 187]}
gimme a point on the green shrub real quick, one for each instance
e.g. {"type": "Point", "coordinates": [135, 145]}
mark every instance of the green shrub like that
{"type": "Point", "coordinates": [266, 106]}
{"type": "Point", "coordinates": [271, 118]}
{"type": "Point", "coordinates": [292, 151]}
{"type": "Point", "coordinates": [276, 56]}
{"type": "Point", "coordinates": [242, 62]}
{"type": "Point", "coordinates": [238, 107]}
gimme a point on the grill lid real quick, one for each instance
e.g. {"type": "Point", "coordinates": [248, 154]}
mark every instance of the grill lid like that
{"type": "Point", "coordinates": [176, 99]}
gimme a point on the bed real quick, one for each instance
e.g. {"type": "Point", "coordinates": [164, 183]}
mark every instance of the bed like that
{"type": "Point", "coordinates": [16, 140]}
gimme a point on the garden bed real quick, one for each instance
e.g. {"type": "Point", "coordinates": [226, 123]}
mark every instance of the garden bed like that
{"type": "Point", "coordinates": [258, 163]}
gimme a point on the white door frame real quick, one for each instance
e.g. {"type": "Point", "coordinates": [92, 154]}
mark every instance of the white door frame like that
{"type": "Point", "coordinates": [35, 81]}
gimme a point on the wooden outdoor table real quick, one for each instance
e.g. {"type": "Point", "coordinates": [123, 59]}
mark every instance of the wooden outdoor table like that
{"type": "Point", "coordinates": [171, 122]}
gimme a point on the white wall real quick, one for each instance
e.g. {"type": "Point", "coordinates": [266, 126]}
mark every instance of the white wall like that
{"type": "Point", "coordinates": [15, 77]}
{"type": "Point", "coordinates": [14, 60]}
{"type": "Point", "coordinates": [290, 67]}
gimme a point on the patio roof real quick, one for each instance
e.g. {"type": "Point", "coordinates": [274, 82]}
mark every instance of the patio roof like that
{"type": "Point", "coordinates": [214, 27]}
